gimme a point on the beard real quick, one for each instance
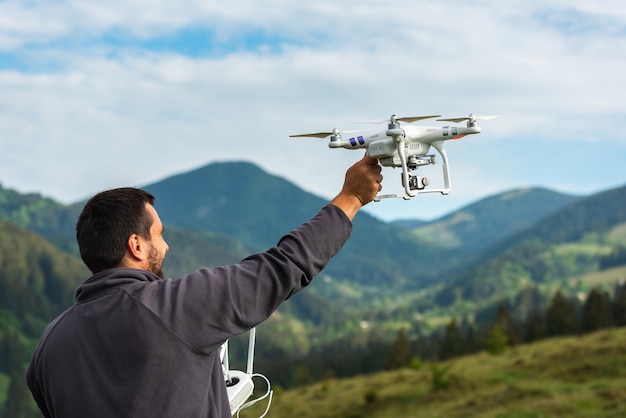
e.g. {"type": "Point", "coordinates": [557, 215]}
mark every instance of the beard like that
{"type": "Point", "coordinates": [156, 263]}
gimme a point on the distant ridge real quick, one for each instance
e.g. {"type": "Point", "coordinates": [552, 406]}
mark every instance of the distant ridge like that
{"type": "Point", "coordinates": [570, 242]}
{"type": "Point", "coordinates": [487, 221]}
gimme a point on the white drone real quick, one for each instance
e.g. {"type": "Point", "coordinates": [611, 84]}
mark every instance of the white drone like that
{"type": "Point", "coordinates": [406, 147]}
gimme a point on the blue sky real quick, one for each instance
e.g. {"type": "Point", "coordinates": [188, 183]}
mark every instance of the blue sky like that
{"type": "Point", "coordinates": [96, 95]}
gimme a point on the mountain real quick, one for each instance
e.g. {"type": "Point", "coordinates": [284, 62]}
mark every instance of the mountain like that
{"type": "Point", "coordinates": [218, 213]}
{"type": "Point", "coordinates": [573, 241]}
{"type": "Point", "coordinates": [475, 227]}
{"type": "Point", "coordinates": [240, 200]}
{"type": "Point", "coordinates": [236, 199]}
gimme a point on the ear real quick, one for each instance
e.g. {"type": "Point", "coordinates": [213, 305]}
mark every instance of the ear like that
{"type": "Point", "coordinates": [137, 248]}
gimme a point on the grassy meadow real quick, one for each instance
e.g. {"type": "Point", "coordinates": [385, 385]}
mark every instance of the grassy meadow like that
{"type": "Point", "coordinates": [583, 376]}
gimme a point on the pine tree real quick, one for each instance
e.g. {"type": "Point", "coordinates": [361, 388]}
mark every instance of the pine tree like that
{"type": "Point", "coordinates": [597, 312]}
{"type": "Point", "coordinates": [561, 316]}
{"type": "Point", "coordinates": [452, 344]}
{"type": "Point", "coordinates": [504, 320]}
{"type": "Point", "coordinates": [619, 304]}
{"type": "Point", "coordinates": [400, 355]}
{"type": "Point", "coordinates": [496, 340]}
{"type": "Point", "coordinates": [534, 327]}
{"type": "Point", "coordinates": [471, 342]}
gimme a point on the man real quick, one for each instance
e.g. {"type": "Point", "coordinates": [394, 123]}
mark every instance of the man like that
{"type": "Point", "coordinates": [135, 345]}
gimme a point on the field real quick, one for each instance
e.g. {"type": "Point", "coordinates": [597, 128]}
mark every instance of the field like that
{"type": "Point", "coordinates": [563, 377]}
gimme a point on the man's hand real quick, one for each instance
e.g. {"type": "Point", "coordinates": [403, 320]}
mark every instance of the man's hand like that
{"type": "Point", "coordinates": [360, 186]}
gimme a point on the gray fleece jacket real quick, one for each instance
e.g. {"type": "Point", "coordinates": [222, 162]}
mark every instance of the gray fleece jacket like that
{"type": "Point", "coordinates": [137, 346]}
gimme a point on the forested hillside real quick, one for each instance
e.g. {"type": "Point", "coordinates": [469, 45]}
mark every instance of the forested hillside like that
{"type": "Point", "coordinates": [44, 216]}
{"type": "Point", "coordinates": [581, 238]}
{"type": "Point", "coordinates": [37, 282]}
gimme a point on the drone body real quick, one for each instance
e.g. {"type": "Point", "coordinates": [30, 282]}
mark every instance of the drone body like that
{"type": "Point", "coordinates": [406, 146]}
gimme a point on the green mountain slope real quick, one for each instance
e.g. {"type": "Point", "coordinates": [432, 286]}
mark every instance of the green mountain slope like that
{"type": "Point", "coordinates": [37, 280]}
{"type": "Point", "coordinates": [477, 226]}
{"type": "Point", "coordinates": [39, 214]}
{"type": "Point", "coordinates": [572, 241]}
{"type": "Point", "coordinates": [236, 199]}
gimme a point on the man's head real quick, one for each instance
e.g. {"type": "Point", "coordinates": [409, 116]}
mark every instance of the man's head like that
{"type": "Point", "coordinates": [121, 228]}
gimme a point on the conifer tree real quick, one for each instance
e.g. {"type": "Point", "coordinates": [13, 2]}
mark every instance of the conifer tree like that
{"type": "Point", "coordinates": [619, 304]}
{"type": "Point", "coordinates": [400, 355]}
{"type": "Point", "coordinates": [471, 342]}
{"type": "Point", "coordinates": [597, 312]}
{"type": "Point", "coordinates": [452, 344]}
{"type": "Point", "coordinates": [534, 327]}
{"type": "Point", "coordinates": [561, 316]}
{"type": "Point", "coordinates": [504, 320]}
{"type": "Point", "coordinates": [496, 340]}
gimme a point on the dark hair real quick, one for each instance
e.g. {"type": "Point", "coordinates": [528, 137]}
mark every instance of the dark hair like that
{"type": "Point", "coordinates": [107, 221]}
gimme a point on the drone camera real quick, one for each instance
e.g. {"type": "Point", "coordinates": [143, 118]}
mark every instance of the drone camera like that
{"type": "Point", "coordinates": [417, 182]}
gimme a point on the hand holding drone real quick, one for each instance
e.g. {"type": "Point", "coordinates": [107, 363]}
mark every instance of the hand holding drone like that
{"type": "Point", "coordinates": [406, 147]}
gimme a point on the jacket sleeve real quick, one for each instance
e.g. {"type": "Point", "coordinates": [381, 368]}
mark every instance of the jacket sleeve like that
{"type": "Point", "coordinates": [208, 306]}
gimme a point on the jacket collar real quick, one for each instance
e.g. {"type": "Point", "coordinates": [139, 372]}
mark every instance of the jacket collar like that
{"type": "Point", "coordinates": [109, 279]}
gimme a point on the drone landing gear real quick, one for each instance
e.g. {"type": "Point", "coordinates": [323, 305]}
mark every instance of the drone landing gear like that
{"type": "Point", "coordinates": [414, 185]}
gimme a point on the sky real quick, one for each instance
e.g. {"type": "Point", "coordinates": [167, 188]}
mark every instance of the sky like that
{"type": "Point", "coordinates": [95, 95]}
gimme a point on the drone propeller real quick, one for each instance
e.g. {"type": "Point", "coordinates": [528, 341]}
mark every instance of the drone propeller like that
{"type": "Point", "coordinates": [471, 118]}
{"type": "Point", "coordinates": [411, 119]}
{"type": "Point", "coordinates": [317, 134]}
{"type": "Point", "coordinates": [334, 132]}
{"type": "Point", "coordinates": [394, 118]}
